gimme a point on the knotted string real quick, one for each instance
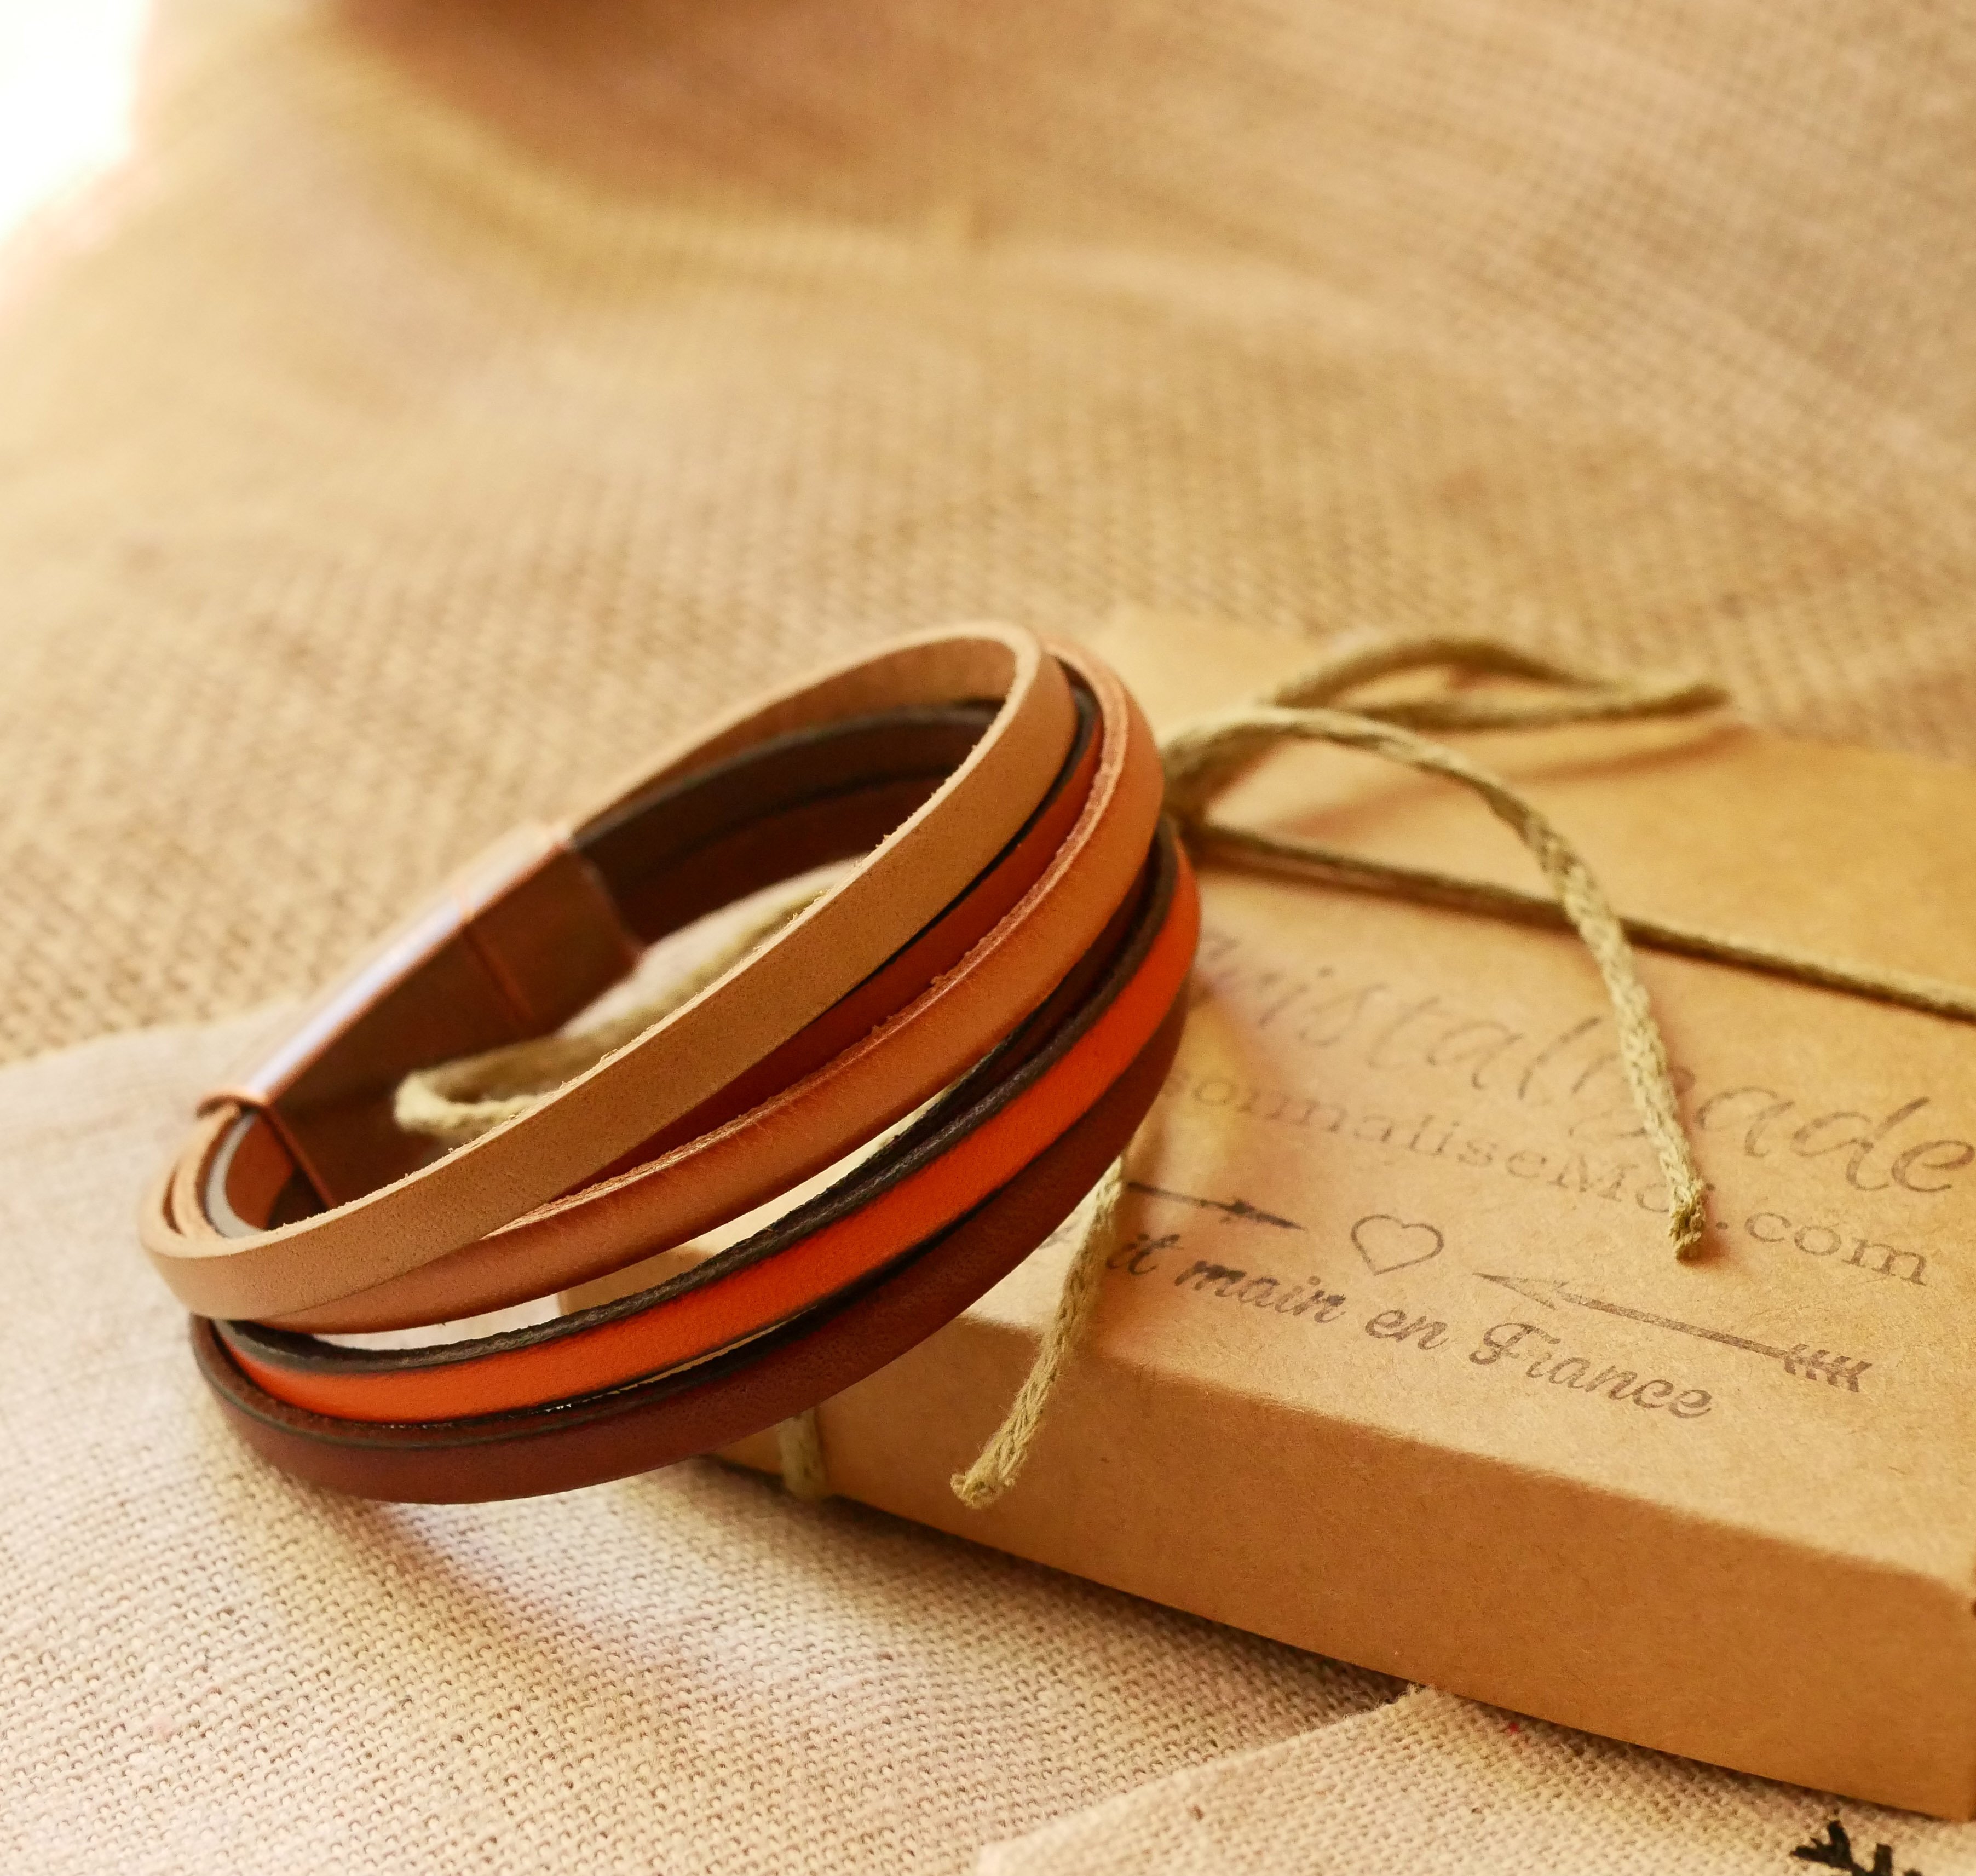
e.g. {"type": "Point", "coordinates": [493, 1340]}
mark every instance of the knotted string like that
{"type": "Point", "coordinates": [1204, 759]}
{"type": "Point", "coordinates": [458, 1100]}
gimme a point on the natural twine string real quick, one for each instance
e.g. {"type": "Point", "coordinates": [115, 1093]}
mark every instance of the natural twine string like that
{"type": "Point", "coordinates": [799, 1449]}
{"type": "Point", "coordinates": [458, 1100]}
{"type": "Point", "coordinates": [1197, 751]}
{"type": "Point", "coordinates": [1204, 759]}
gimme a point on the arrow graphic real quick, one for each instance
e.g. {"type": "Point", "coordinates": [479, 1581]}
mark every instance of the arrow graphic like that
{"type": "Point", "coordinates": [1231, 1208]}
{"type": "Point", "coordinates": [1809, 1363]}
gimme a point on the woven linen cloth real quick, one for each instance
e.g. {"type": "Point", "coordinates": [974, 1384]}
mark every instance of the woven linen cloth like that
{"type": "Point", "coordinates": [453, 397]}
{"type": "Point", "coordinates": [450, 399]}
{"type": "Point", "coordinates": [205, 1666]}
{"type": "Point", "coordinates": [1436, 1786]}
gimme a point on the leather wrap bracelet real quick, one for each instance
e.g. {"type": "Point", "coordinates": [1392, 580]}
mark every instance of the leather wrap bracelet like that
{"type": "Point", "coordinates": [1011, 943]}
{"type": "Point", "coordinates": [528, 937]}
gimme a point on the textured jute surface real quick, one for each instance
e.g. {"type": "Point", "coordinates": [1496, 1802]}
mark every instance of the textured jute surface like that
{"type": "Point", "coordinates": [205, 1667]}
{"type": "Point", "coordinates": [455, 396]}
{"type": "Point", "coordinates": [1435, 1786]}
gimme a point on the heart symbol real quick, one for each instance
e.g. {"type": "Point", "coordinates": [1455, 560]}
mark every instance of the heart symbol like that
{"type": "Point", "coordinates": [1388, 1244]}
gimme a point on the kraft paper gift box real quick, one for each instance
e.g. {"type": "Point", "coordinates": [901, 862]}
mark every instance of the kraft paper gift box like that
{"type": "Point", "coordinates": [1394, 1360]}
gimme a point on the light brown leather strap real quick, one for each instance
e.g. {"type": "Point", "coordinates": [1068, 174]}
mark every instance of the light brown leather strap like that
{"type": "Point", "coordinates": [800, 1127]}
{"type": "Point", "coordinates": [599, 1116]}
{"type": "Point", "coordinates": [981, 1134]}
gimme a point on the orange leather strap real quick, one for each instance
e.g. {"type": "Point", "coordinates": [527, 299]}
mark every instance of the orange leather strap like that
{"type": "Point", "coordinates": [702, 1408]}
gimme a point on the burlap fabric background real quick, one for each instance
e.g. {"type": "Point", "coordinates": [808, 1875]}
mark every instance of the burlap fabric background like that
{"type": "Point", "coordinates": [204, 1668]}
{"type": "Point", "coordinates": [459, 395]}
{"type": "Point", "coordinates": [451, 399]}
{"type": "Point", "coordinates": [1431, 1784]}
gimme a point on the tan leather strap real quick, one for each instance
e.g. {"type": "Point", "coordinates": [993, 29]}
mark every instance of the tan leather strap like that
{"type": "Point", "coordinates": [881, 1074]}
{"type": "Point", "coordinates": [359, 1041]}
{"type": "Point", "coordinates": [980, 1134]}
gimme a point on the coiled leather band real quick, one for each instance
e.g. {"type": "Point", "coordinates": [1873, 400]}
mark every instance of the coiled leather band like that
{"type": "Point", "coordinates": [525, 941]}
{"type": "Point", "coordinates": [934, 1010]}
{"type": "Point", "coordinates": [1031, 980]}
{"type": "Point", "coordinates": [977, 1138]}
